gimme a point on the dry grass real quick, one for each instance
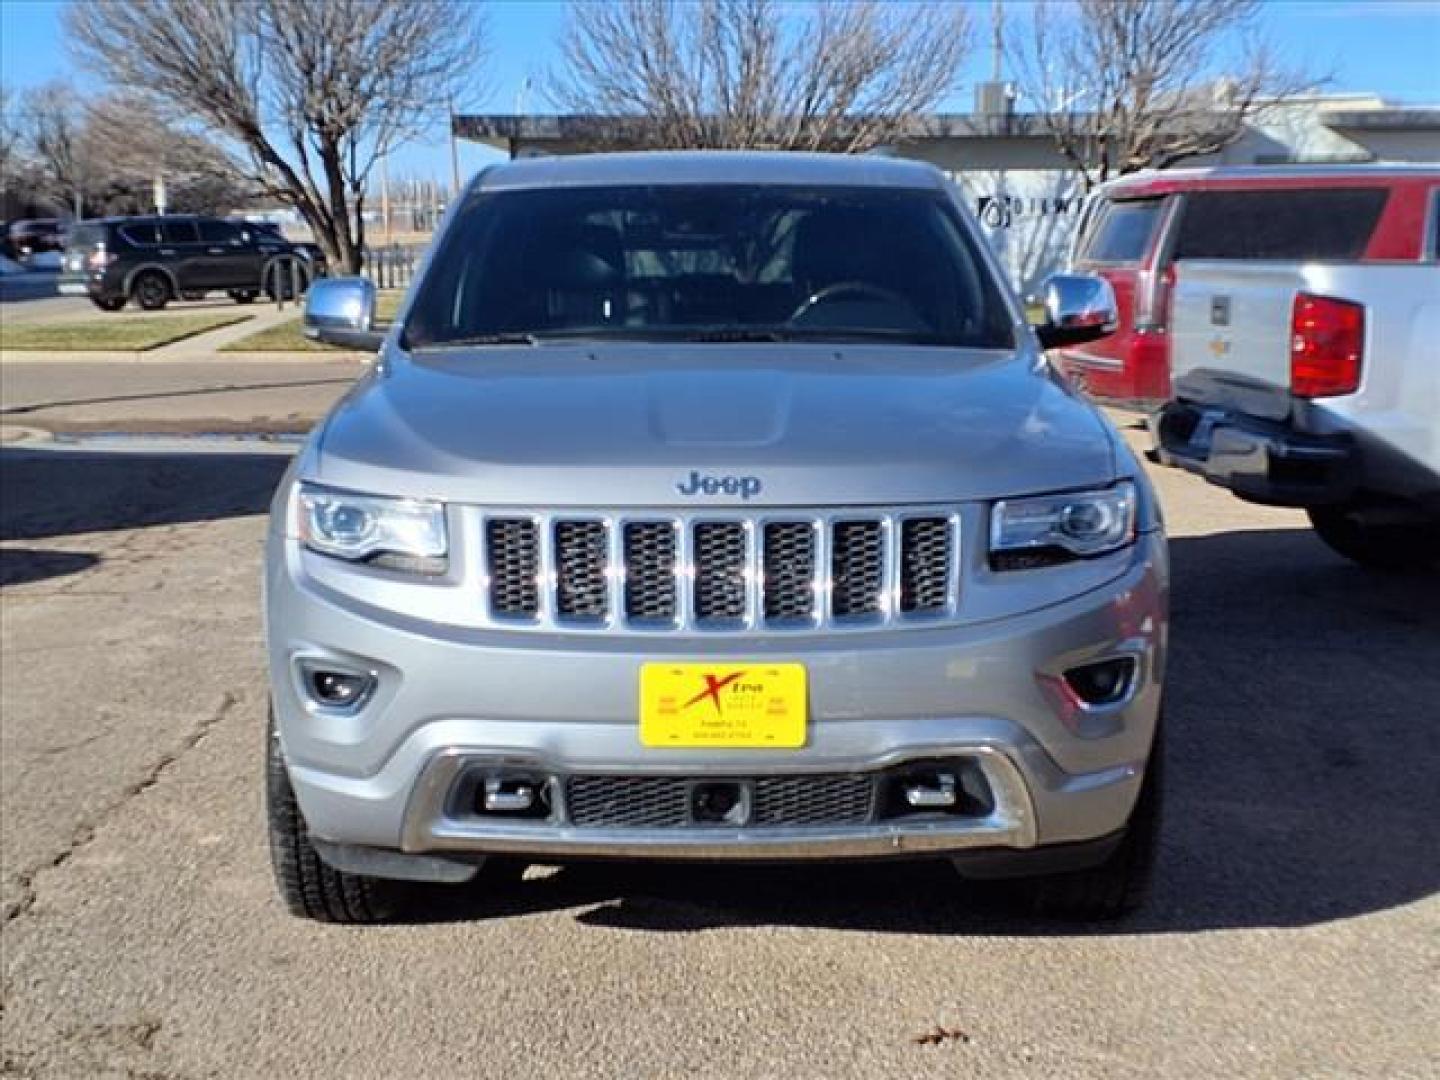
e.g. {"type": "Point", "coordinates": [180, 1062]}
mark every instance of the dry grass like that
{"type": "Point", "coordinates": [138, 333]}
{"type": "Point", "coordinates": [287, 336]}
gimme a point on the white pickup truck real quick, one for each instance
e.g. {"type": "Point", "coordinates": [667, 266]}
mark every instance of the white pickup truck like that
{"type": "Point", "coordinates": [1315, 385]}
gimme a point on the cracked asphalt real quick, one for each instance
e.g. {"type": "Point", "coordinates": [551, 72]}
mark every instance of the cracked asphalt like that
{"type": "Point", "coordinates": [1294, 929]}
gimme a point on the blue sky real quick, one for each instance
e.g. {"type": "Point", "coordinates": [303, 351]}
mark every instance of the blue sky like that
{"type": "Point", "coordinates": [1388, 47]}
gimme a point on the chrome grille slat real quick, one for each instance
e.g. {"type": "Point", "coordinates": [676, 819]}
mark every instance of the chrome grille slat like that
{"type": "Point", "coordinates": [720, 555]}
{"type": "Point", "coordinates": [650, 571]}
{"type": "Point", "coordinates": [512, 548]}
{"type": "Point", "coordinates": [581, 560]}
{"type": "Point", "coordinates": [789, 570]}
{"type": "Point", "coordinates": [857, 568]}
{"type": "Point", "coordinates": [925, 566]}
{"type": "Point", "coordinates": [720, 571]}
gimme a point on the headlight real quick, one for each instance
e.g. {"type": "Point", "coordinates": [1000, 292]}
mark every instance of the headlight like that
{"type": "Point", "coordinates": [400, 534]}
{"type": "Point", "coordinates": [1049, 529]}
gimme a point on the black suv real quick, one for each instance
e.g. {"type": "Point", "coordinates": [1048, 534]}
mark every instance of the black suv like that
{"type": "Point", "coordinates": [34, 235]}
{"type": "Point", "coordinates": [154, 260]}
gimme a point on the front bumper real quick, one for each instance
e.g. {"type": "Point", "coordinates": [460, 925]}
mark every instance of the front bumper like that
{"type": "Point", "coordinates": [99, 285]}
{"type": "Point", "coordinates": [1263, 461]}
{"type": "Point", "coordinates": [454, 702]}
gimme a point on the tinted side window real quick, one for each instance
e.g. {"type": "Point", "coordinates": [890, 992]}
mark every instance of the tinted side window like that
{"type": "Point", "coordinates": [87, 236]}
{"type": "Point", "coordinates": [178, 232]}
{"type": "Point", "coordinates": [1122, 234]}
{"type": "Point", "coordinates": [1433, 252]}
{"type": "Point", "coordinates": [1334, 223]}
{"type": "Point", "coordinates": [142, 232]}
{"type": "Point", "coordinates": [218, 232]}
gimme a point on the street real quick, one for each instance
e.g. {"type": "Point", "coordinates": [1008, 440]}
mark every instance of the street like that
{"type": "Point", "coordinates": [1294, 928]}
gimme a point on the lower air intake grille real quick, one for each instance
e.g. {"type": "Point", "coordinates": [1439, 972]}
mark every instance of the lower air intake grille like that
{"type": "Point", "coordinates": [621, 802]}
{"type": "Point", "coordinates": [812, 800]}
{"type": "Point", "coordinates": [664, 802]}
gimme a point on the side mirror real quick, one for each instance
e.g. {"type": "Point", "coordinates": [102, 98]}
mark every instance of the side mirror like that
{"type": "Point", "coordinates": [341, 311]}
{"type": "Point", "coordinates": [1078, 308]}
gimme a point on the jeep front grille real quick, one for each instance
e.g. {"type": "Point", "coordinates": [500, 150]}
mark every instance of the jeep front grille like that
{"type": "Point", "coordinates": [786, 570]}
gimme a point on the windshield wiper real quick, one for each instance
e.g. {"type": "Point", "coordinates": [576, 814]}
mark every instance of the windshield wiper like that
{"type": "Point", "coordinates": [511, 338]}
{"type": "Point", "coordinates": [737, 333]}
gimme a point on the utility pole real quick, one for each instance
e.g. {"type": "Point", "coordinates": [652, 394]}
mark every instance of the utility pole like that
{"type": "Point", "coordinates": [997, 45]}
{"type": "Point", "coordinates": [385, 193]}
{"type": "Point", "coordinates": [454, 156]}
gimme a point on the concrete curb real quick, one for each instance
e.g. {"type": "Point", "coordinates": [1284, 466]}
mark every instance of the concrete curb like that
{"type": "Point", "coordinates": [15, 435]}
{"type": "Point", "coordinates": [155, 356]}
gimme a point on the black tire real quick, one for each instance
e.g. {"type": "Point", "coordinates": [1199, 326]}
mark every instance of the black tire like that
{"type": "Point", "coordinates": [243, 296]}
{"type": "Point", "coordinates": [1381, 546]}
{"type": "Point", "coordinates": [1117, 886]}
{"type": "Point", "coordinates": [310, 888]}
{"type": "Point", "coordinates": [151, 290]}
{"type": "Point", "coordinates": [109, 303]}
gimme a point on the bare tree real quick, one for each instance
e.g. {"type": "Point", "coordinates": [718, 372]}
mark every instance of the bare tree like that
{"type": "Point", "coordinates": [1124, 85]}
{"type": "Point", "coordinates": [10, 137]}
{"type": "Point", "coordinates": [128, 143]}
{"type": "Point", "coordinates": [52, 132]}
{"type": "Point", "coordinates": [738, 74]}
{"type": "Point", "coordinates": [311, 92]}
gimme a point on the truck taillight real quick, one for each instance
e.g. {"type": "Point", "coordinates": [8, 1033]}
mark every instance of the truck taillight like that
{"type": "Point", "coordinates": [1327, 346]}
{"type": "Point", "coordinates": [1152, 298]}
{"type": "Point", "coordinates": [100, 259]}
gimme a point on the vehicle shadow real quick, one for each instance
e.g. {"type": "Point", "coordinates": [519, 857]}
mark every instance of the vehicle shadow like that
{"type": "Point", "coordinates": [48, 493]}
{"type": "Point", "coordinates": [21, 566]}
{"type": "Point", "coordinates": [1302, 706]}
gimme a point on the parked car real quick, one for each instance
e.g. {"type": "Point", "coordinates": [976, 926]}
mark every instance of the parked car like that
{"type": "Point", "coordinates": [319, 266]}
{"type": "Point", "coordinates": [1137, 229]}
{"type": "Point", "coordinates": [153, 260]}
{"type": "Point", "coordinates": [1316, 383]}
{"type": "Point", "coordinates": [34, 236]}
{"type": "Point", "coordinates": [713, 506]}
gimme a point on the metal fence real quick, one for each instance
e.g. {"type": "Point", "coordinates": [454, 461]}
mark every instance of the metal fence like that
{"type": "Point", "coordinates": [390, 267]}
{"type": "Point", "coordinates": [286, 279]}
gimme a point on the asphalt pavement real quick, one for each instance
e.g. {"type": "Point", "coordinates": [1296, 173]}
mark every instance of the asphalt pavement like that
{"type": "Point", "coordinates": [1294, 929]}
{"type": "Point", "coordinates": [215, 395]}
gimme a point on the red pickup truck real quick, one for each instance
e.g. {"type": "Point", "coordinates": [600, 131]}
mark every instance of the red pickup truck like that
{"type": "Point", "coordinates": [1137, 228]}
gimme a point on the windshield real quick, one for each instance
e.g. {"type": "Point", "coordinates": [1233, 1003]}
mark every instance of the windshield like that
{"type": "Point", "coordinates": [695, 262]}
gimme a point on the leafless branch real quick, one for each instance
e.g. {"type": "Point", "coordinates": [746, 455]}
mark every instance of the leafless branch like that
{"type": "Point", "coordinates": [1132, 84]}
{"type": "Point", "coordinates": [735, 74]}
{"type": "Point", "coordinates": [311, 92]}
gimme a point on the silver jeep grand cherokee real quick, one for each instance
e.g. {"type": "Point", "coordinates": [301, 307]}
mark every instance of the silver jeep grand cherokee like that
{"type": "Point", "coordinates": [713, 506]}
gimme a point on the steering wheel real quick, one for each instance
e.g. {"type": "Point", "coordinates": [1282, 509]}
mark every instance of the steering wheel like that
{"type": "Point", "coordinates": [849, 288]}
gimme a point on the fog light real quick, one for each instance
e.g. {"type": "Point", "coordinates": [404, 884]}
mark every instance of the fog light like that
{"type": "Point", "coordinates": [338, 689]}
{"type": "Point", "coordinates": [1104, 683]}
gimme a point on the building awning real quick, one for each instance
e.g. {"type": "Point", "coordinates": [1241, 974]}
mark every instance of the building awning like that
{"type": "Point", "coordinates": [1418, 120]}
{"type": "Point", "coordinates": [514, 133]}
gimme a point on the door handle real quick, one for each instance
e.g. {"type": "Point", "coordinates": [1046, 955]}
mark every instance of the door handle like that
{"type": "Point", "coordinates": [215, 251]}
{"type": "Point", "coordinates": [167, 251]}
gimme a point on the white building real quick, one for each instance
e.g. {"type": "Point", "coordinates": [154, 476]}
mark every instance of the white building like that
{"type": "Point", "coordinates": [1026, 196]}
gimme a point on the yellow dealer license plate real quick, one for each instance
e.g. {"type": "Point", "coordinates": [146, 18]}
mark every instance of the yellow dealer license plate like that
{"type": "Point", "coordinates": [759, 705]}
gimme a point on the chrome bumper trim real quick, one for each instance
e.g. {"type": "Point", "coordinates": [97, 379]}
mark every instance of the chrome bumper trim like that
{"type": "Point", "coordinates": [428, 828]}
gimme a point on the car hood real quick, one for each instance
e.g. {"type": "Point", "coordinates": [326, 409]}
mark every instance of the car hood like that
{"type": "Point", "coordinates": [637, 424]}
